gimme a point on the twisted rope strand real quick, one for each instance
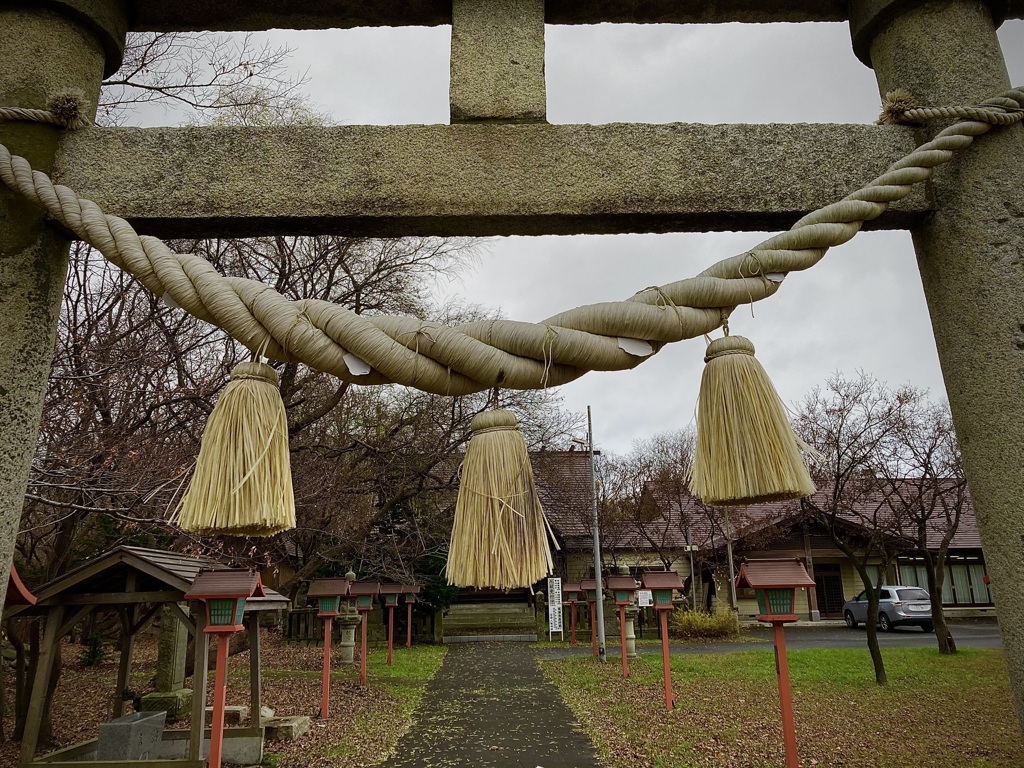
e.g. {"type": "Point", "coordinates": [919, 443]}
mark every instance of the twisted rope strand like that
{"type": "Point", "coordinates": [479, 355]}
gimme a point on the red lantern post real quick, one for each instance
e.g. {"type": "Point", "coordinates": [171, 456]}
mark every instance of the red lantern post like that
{"type": "Point", "coordinates": [390, 593]}
{"type": "Point", "coordinates": [224, 593]}
{"type": "Point", "coordinates": [571, 593]}
{"type": "Point", "coordinates": [362, 594]}
{"type": "Point", "coordinates": [410, 590]}
{"type": "Point", "coordinates": [589, 586]}
{"type": "Point", "coordinates": [661, 584]}
{"type": "Point", "coordinates": [776, 582]}
{"type": "Point", "coordinates": [327, 593]}
{"type": "Point", "coordinates": [623, 588]}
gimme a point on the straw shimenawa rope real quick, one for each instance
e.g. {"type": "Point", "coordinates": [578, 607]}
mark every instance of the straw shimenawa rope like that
{"type": "Point", "coordinates": [515, 355]}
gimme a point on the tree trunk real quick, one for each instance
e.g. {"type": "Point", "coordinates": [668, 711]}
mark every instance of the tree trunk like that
{"type": "Point", "coordinates": [46, 726]}
{"type": "Point", "coordinates": [936, 569]}
{"type": "Point", "coordinates": [871, 625]}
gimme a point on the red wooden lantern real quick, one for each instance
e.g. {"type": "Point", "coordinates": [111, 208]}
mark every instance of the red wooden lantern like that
{"type": "Point", "coordinates": [661, 584]}
{"type": "Point", "coordinates": [390, 593]}
{"type": "Point", "coordinates": [223, 593]}
{"type": "Point", "coordinates": [411, 591]}
{"type": "Point", "coordinates": [362, 593]}
{"type": "Point", "coordinates": [328, 594]}
{"type": "Point", "coordinates": [623, 587]}
{"type": "Point", "coordinates": [571, 594]}
{"type": "Point", "coordinates": [589, 588]}
{"type": "Point", "coordinates": [776, 582]}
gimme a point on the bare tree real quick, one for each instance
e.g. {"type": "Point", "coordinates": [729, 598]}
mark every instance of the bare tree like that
{"type": "Point", "coordinates": [850, 424]}
{"type": "Point", "coordinates": [923, 479]}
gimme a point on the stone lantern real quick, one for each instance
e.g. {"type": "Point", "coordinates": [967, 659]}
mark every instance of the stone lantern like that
{"type": "Point", "coordinates": [775, 581]}
{"type": "Point", "coordinates": [623, 588]}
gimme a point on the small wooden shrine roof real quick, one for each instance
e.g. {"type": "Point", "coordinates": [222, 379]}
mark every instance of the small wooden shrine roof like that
{"type": "Point", "coordinates": [133, 575]}
{"type": "Point", "coordinates": [588, 584]}
{"type": "Point", "coordinates": [661, 580]}
{"type": "Point", "coordinates": [391, 589]}
{"type": "Point", "coordinates": [17, 592]}
{"type": "Point", "coordinates": [772, 573]}
{"type": "Point", "coordinates": [328, 588]}
{"type": "Point", "coordinates": [620, 582]}
{"type": "Point", "coordinates": [236, 583]}
{"type": "Point", "coordinates": [364, 588]}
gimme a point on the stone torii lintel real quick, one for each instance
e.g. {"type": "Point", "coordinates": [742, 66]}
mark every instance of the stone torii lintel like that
{"type": "Point", "coordinates": [478, 180]}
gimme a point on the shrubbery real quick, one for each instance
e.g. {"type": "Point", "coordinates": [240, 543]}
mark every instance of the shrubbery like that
{"type": "Point", "coordinates": [697, 625]}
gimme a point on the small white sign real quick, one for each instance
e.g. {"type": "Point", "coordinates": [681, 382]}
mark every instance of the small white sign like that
{"type": "Point", "coordinates": [645, 598]}
{"type": "Point", "coordinates": [555, 607]}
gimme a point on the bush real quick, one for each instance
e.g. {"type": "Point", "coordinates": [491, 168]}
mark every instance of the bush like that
{"type": "Point", "coordinates": [94, 652]}
{"type": "Point", "coordinates": [697, 625]}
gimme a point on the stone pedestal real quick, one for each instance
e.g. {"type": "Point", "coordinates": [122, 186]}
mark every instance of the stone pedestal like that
{"type": "Point", "coordinates": [346, 647]}
{"type": "Point", "coordinates": [631, 614]}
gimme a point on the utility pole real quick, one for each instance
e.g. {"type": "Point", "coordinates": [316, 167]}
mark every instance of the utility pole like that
{"type": "Point", "coordinates": [732, 571]}
{"type": "Point", "coordinates": [693, 576]}
{"type": "Point", "coordinates": [601, 650]}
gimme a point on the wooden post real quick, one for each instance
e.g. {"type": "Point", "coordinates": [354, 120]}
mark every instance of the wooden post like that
{"type": "Point", "coordinates": [408, 626]}
{"type": "Point", "coordinates": [593, 628]}
{"type": "Point", "coordinates": [785, 697]}
{"type": "Point", "coordinates": [362, 651]}
{"type": "Point", "coordinates": [622, 632]}
{"type": "Point", "coordinates": [219, 699]}
{"type": "Point", "coordinates": [199, 675]}
{"type": "Point", "coordinates": [391, 630]}
{"type": "Point", "coordinates": [255, 701]}
{"type": "Point", "coordinates": [51, 636]}
{"type": "Point", "coordinates": [124, 666]}
{"type": "Point", "coordinates": [666, 666]}
{"type": "Point", "coordinates": [572, 623]}
{"type": "Point", "coordinates": [325, 694]}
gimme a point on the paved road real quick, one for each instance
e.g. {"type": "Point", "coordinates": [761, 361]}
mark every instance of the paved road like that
{"type": "Point", "coordinates": [980, 635]}
{"type": "Point", "coordinates": [489, 706]}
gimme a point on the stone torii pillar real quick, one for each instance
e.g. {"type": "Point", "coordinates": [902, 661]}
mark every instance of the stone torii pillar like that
{"type": "Point", "coordinates": [49, 50]}
{"type": "Point", "coordinates": [971, 255]}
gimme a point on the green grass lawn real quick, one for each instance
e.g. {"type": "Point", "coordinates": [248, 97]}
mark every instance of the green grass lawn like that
{"type": "Point", "coordinates": [936, 711]}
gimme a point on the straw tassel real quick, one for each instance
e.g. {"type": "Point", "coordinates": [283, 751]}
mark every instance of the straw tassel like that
{"type": "Point", "coordinates": [242, 484]}
{"type": "Point", "coordinates": [746, 451]}
{"type": "Point", "coordinates": [499, 538]}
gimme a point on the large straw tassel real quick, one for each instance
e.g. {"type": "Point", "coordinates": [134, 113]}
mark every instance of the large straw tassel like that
{"type": "Point", "coordinates": [499, 538]}
{"type": "Point", "coordinates": [746, 451]}
{"type": "Point", "coordinates": [242, 484]}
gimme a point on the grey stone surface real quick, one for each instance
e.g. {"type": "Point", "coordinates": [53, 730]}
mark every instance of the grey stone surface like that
{"type": "Point", "coordinates": [234, 715]}
{"type": "Point", "coordinates": [285, 728]}
{"type": "Point", "coordinates": [232, 15]}
{"type": "Point", "coordinates": [177, 704]}
{"type": "Point", "coordinates": [132, 737]}
{"type": "Point", "coordinates": [489, 706]}
{"type": "Point", "coordinates": [971, 257]}
{"type": "Point", "coordinates": [346, 647]}
{"type": "Point", "coordinates": [44, 55]}
{"type": "Point", "coordinates": [490, 639]}
{"type": "Point", "coordinates": [497, 61]}
{"type": "Point", "coordinates": [479, 179]}
{"type": "Point", "coordinates": [172, 648]}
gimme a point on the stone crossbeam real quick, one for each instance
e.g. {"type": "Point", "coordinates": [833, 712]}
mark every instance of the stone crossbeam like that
{"type": "Point", "coordinates": [478, 179]}
{"type": "Point", "coordinates": [232, 15]}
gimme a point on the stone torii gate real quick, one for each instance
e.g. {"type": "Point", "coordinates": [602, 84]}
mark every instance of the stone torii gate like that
{"type": "Point", "coordinates": [500, 169]}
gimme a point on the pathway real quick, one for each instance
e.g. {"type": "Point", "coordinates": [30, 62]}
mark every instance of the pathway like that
{"type": "Point", "coordinates": [490, 707]}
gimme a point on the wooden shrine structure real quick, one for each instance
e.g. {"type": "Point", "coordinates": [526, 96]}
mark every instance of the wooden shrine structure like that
{"type": "Point", "coordinates": [137, 583]}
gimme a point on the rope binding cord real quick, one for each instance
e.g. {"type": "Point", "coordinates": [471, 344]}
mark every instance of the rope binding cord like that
{"type": "Point", "coordinates": [477, 356]}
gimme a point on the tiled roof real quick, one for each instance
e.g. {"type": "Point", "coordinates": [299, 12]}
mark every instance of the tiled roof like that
{"type": "Point", "coordinates": [328, 588]}
{"type": "Point", "coordinates": [226, 582]}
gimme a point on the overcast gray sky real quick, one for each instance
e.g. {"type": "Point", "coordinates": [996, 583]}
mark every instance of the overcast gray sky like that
{"type": "Point", "coordinates": [862, 307]}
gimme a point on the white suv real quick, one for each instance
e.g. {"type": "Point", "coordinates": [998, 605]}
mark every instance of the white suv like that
{"type": "Point", "coordinates": [897, 606]}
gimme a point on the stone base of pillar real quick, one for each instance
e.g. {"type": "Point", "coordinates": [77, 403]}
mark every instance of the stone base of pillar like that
{"type": "Point", "coordinates": [176, 704]}
{"type": "Point", "coordinates": [346, 647]}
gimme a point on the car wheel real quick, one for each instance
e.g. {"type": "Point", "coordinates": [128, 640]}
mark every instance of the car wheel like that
{"type": "Point", "coordinates": [885, 623]}
{"type": "Point", "coordinates": [850, 621]}
{"type": "Point", "coordinates": [928, 627]}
